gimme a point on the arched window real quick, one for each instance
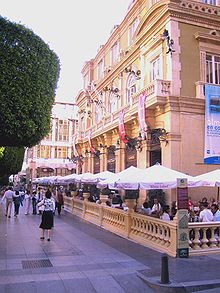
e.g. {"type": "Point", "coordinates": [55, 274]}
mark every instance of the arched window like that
{"type": "Point", "coordinates": [131, 88]}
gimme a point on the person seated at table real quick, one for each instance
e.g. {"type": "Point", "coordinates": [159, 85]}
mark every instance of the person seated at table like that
{"type": "Point", "coordinates": [216, 212]}
{"type": "Point", "coordinates": [190, 204]}
{"type": "Point", "coordinates": [146, 210]}
{"type": "Point", "coordinates": [212, 201]}
{"type": "Point", "coordinates": [165, 216]}
{"type": "Point", "coordinates": [205, 215]}
{"type": "Point", "coordinates": [173, 210]}
{"type": "Point", "coordinates": [117, 201]}
{"type": "Point", "coordinates": [156, 208]}
{"type": "Point", "coordinates": [201, 202]}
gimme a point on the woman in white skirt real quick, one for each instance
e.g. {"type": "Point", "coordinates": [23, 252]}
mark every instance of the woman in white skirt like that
{"type": "Point", "coordinates": [47, 215]}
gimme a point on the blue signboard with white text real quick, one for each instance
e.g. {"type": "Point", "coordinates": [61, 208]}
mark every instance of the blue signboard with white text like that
{"type": "Point", "coordinates": [212, 124]}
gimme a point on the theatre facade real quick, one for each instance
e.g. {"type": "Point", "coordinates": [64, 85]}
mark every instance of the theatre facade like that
{"type": "Point", "coordinates": [144, 95]}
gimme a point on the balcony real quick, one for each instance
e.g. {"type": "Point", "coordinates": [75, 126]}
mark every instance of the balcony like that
{"type": "Point", "coordinates": [156, 92]}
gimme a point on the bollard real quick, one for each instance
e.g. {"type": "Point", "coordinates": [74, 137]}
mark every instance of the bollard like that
{"type": "Point", "coordinates": [164, 270]}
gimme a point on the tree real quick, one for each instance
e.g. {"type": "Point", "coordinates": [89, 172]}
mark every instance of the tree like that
{"type": "Point", "coordinates": [10, 162]}
{"type": "Point", "coordinates": [28, 80]}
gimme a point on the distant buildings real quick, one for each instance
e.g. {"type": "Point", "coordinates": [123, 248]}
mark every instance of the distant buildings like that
{"type": "Point", "coordinates": [53, 156]}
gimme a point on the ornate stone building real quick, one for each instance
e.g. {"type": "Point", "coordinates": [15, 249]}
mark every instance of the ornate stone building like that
{"type": "Point", "coordinates": [53, 155]}
{"type": "Point", "coordinates": [165, 51]}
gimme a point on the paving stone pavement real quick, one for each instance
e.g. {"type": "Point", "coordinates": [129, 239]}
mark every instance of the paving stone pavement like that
{"type": "Point", "coordinates": [79, 258]}
{"type": "Point", "coordinates": [82, 257]}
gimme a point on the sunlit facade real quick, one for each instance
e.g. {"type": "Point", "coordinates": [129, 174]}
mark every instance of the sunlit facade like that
{"type": "Point", "coordinates": [168, 51]}
{"type": "Point", "coordinates": [54, 154]}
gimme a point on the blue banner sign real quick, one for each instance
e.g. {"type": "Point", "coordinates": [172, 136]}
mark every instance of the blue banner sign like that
{"type": "Point", "coordinates": [212, 124]}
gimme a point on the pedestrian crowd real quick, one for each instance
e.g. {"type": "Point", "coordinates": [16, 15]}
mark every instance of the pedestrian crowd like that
{"type": "Point", "coordinates": [36, 202]}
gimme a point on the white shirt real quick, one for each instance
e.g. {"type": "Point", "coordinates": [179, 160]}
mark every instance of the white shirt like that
{"type": "Point", "coordinates": [165, 217]}
{"type": "Point", "coordinates": [156, 207]}
{"type": "Point", "coordinates": [8, 194]}
{"type": "Point", "coordinates": [205, 216]}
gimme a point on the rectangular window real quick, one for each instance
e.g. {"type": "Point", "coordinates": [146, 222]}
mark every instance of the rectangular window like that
{"type": "Point", "coordinates": [132, 30]}
{"type": "Point", "coordinates": [211, 2]}
{"type": "Point", "coordinates": [44, 151]}
{"type": "Point", "coordinates": [60, 152]}
{"type": "Point", "coordinates": [100, 69]}
{"type": "Point", "coordinates": [213, 69]}
{"type": "Point", "coordinates": [114, 53]}
{"type": "Point", "coordinates": [155, 69]}
{"type": "Point", "coordinates": [63, 129]}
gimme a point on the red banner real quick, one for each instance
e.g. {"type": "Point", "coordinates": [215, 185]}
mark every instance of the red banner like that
{"type": "Point", "coordinates": [92, 150]}
{"type": "Point", "coordinates": [121, 127]}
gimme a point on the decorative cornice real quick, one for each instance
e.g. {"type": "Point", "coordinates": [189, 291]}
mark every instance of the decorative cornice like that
{"type": "Point", "coordinates": [210, 38]}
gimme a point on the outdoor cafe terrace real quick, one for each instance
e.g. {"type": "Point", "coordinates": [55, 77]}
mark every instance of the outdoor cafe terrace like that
{"type": "Point", "coordinates": [149, 231]}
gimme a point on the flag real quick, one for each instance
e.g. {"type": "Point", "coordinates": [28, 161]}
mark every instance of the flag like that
{"type": "Point", "coordinates": [121, 127]}
{"type": "Point", "coordinates": [141, 112]}
{"type": "Point", "coordinates": [92, 150]}
{"type": "Point", "coordinates": [75, 153]}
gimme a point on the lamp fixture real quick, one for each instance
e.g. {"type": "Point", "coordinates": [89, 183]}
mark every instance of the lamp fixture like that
{"type": "Point", "coordinates": [115, 91]}
{"type": "Point", "coordinates": [170, 42]}
{"type": "Point", "coordinates": [137, 73]}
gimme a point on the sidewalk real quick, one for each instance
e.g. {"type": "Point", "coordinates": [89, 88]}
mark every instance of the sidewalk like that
{"type": "Point", "coordinates": [84, 258]}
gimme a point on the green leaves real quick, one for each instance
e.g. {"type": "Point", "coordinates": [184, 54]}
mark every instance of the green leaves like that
{"type": "Point", "coordinates": [10, 162]}
{"type": "Point", "coordinates": [28, 80]}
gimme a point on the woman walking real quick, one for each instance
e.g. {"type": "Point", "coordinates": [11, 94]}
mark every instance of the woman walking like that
{"type": "Point", "coordinates": [48, 214]}
{"type": "Point", "coordinates": [27, 198]}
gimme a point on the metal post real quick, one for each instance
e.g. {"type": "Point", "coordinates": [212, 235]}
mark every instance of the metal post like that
{"type": "Point", "coordinates": [164, 270]}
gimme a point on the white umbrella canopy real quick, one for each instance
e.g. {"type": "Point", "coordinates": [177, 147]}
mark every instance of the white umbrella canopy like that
{"type": "Point", "coordinates": [87, 178]}
{"type": "Point", "coordinates": [160, 177]}
{"type": "Point", "coordinates": [104, 175]}
{"type": "Point", "coordinates": [38, 180]}
{"type": "Point", "coordinates": [125, 175]}
{"type": "Point", "coordinates": [45, 180]}
{"type": "Point", "coordinates": [210, 178]}
{"type": "Point", "coordinates": [69, 178]}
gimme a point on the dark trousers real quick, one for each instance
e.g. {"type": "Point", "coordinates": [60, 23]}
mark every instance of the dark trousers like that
{"type": "Point", "coordinates": [34, 205]}
{"type": "Point", "coordinates": [17, 205]}
{"type": "Point", "coordinates": [58, 206]}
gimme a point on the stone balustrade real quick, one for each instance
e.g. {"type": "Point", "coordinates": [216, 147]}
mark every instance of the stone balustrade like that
{"type": "Point", "coordinates": [146, 230]}
{"type": "Point", "coordinates": [204, 238]}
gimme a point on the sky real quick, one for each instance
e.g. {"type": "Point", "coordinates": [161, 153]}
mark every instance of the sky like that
{"type": "Point", "coordinates": [73, 29]}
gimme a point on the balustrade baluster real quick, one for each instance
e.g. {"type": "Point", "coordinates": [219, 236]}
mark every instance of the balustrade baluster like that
{"type": "Point", "coordinates": [204, 239]}
{"type": "Point", "coordinates": [196, 242]}
{"type": "Point", "coordinates": [212, 240]}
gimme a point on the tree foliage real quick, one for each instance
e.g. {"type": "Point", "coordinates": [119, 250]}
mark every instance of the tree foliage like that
{"type": "Point", "coordinates": [28, 80]}
{"type": "Point", "coordinates": [10, 162]}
